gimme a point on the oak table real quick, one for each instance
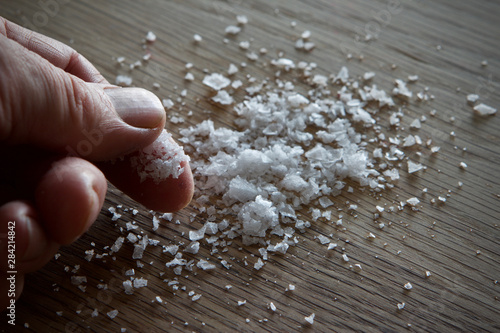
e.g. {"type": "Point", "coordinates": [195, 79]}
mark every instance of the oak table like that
{"type": "Point", "coordinates": [452, 45]}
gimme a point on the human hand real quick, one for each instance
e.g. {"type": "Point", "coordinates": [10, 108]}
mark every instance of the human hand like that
{"type": "Point", "coordinates": [60, 121]}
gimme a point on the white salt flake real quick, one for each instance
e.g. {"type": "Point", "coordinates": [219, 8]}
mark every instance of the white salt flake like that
{"type": "Point", "coordinates": [259, 264]}
{"type": "Point", "coordinates": [414, 167]}
{"type": "Point", "coordinates": [197, 38]}
{"type": "Point", "coordinates": [272, 307]}
{"type": "Point", "coordinates": [150, 37]}
{"type": "Point", "coordinates": [205, 265]}
{"type": "Point", "coordinates": [232, 30]}
{"type": "Point", "coordinates": [413, 201]}
{"type": "Point", "coordinates": [216, 81]}
{"type": "Point", "coordinates": [472, 98]}
{"type": "Point", "coordinates": [160, 160]}
{"type": "Point", "coordinates": [123, 80]}
{"type": "Point", "coordinates": [223, 98]}
{"type": "Point", "coordinates": [112, 314]}
{"type": "Point", "coordinates": [310, 319]}
{"type": "Point", "coordinates": [484, 110]}
{"type": "Point", "coordinates": [241, 19]}
{"type": "Point", "coordinates": [408, 286]}
{"type": "Point", "coordinates": [140, 282]}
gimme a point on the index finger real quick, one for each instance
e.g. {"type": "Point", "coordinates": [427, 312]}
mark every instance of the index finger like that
{"type": "Point", "coordinates": [57, 53]}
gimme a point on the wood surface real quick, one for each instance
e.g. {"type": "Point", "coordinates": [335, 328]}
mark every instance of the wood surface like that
{"type": "Point", "coordinates": [443, 42]}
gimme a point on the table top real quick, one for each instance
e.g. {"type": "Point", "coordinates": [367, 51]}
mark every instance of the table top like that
{"type": "Point", "coordinates": [453, 48]}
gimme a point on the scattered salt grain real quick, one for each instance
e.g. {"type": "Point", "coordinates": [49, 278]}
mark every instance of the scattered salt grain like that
{"type": "Point", "coordinates": [310, 319]}
{"type": "Point", "coordinates": [205, 265]}
{"type": "Point", "coordinates": [272, 307]}
{"type": "Point", "coordinates": [463, 165]}
{"type": "Point", "coordinates": [197, 38]}
{"type": "Point", "coordinates": [401, 306]}
{"type": "Point", "coordinates": [216, 81]}
{"type": "Point", "coordinates": [241, 19]}
{"type": "Point", "coordinates": [240, 303]}
{"type": "Point", "coordinates": [140, 282]}
{"type": "Point", "coordinates": [112, 314]}
{"type": "Point", "coordinates": [484, 110]}
{"type": "Point", "coordinates": [472, 98]}
{"type": "Point", "coordinates": [123, 80]}
{"type": "Point", "coordinates": [408, 286]}
{"type": "Point", "coordinates": [259, 264]}
{"type": "Point", "coordinates": [232, 30]}
{"type": "Point", "coordinates": [414, 167]}
{"type": "Point", "coordinates": [413, 201]}
{"type": "Point", "coordinates": [150, 37]}
{"type": "Point", "coordinates": [223, 98]}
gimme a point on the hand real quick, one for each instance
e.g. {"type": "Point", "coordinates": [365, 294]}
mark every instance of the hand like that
{"type": "Point", "coordinates": [60, 121]}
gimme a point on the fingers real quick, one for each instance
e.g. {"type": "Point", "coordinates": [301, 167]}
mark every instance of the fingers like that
{"type": "Point", "coordinates": [45, 106]}
{"type": "Point", "coordinates": [57, 53]}
{"type": "Point", "coordinates": [169, 195]}
{"type": "Point", "coordinates": [69, 198]}
{"type": "Point", "coordinates": [23, 239]}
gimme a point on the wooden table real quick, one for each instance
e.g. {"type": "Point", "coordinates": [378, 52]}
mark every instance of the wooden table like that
{"type": "Point", "coordinates": [443, 42]}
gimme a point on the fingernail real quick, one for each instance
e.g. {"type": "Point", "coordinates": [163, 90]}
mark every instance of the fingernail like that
{"type": "Point", "coordinates": [37, 242]}
{"type": "Point", "coordinates": [137, 107]}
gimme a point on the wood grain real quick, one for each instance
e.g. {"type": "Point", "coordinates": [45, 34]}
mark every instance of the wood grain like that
{"type": "Point", "coordinates": [443, 42]}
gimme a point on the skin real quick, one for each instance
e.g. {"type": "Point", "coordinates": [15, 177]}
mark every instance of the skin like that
{"type": "Point", "coordinates": [51, 98]}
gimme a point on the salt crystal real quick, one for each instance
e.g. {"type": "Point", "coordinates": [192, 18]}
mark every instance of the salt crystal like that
{"type": "Point", "coordinates": [232, 30]}
{"type": "Point", "coordinates": [197, 38]}
{"type": "Point", "coordinates": [484, 110]}
{"type": "Point", "coordinates": [167, 103]}
{"type": "Point", "coordinates": [193, 248]}
{"type": "Point", "coordinates": [244, 45]}
{"type": "Point", "coordinates": [414, 167]}
{"type": "Point", "coordinates": [472, 98]}
{"type": "Point", "coordinates": [463, 165]}
{"type": "Point", "coordinates": [345, 257]}
{"type": "Point", "coordinates": [189, 77]}
{"type": "Point", "coordinates": [140, 282]}
{"type": "Point", "coordinates": [284, 63]}
{"type": "Point", "coordinates": [368, 76]}
{"type": "Point", "coordinates": [413, 201]}
{"type": "Point", "coordinates": [408, 286]}
{"type": "Point", "coordinates": [77, 280]}
{"type": "Point", "coordinates": [195, 297]}
{"type": "Point", "coordinates": [123, 80]}
{"type": "Point", "coordinates": [413, 78]}
{"type": "Point", "coordinates": [241, 19]}
{"type": "Point", "coordinates": [416, 123]}
{"type": "Point", "coordinates": [112, 314]}
{"type": "Point", "coordinates": [272, 307]}
{"type": "Point", "coordinates": [150, 37]}
{"type": "Point", "coordinates": [232, 69]}
{"type": "Point", "coordinates": [118, 244]}
{"type": "Point", "coordinates": [401, 306]}
{"type": "Point", "coordinates": [310, 319]}
{"type": "Point", "coordinates": [205, 265]}
{"type": "Point", "coordinates": [240, 303]}
{"type": "Point", "coordinates": [223, 98]}
{"type": "Point", "coordinates": [216, 81]}
{"type": "Point", "coordinates": [259, 264]}
{"type": "Point", "coordinates": [127, 286]}
{"type": "Point", "coordinates": [323, 239]}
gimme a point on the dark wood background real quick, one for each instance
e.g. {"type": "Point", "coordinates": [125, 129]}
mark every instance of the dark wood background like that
{"type": "Point", "coordinates": [444, 42]}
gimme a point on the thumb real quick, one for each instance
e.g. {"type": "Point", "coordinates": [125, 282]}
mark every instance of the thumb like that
{"type": "Point", "coordinates": [43, 105]}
